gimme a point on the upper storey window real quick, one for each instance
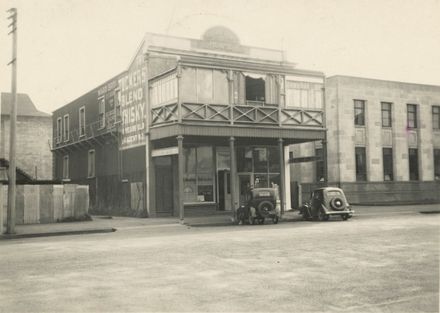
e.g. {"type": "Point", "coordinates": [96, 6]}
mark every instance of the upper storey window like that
{"type": "Point", "coordinates": [66, 127]}
{"type": "Point", "coordinates": [207, 86]}
{"type": "Point", "coordinates": [359, 112]}
{"type": "Point", "coordinates": [164, 90]}
{"type": "Point", "coordinates": [411, 111]}
{"type": "Point", "coordinates": [386, 114]}
{"type": "Point", "coordinates": [436, 117]}
{"type": "Point", "coordinates": [59, 137]}
{"type": "Point", "coordinates": [303, 94]}
{"type": "Point", "coordinates": [82, 121]}
{"type": "Point", "coordinates": [101, 113]}
{"type": "Point", "coordinates": [255, 89]}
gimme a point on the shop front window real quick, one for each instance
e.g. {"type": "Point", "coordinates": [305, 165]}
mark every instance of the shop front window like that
{"type": "Point", "coordinates": [244, 159]}
{"type": "Point", "coordinates": [274, 159]}
{"type": "Point", "coordinates": [274, 180]}
{"type": "Point", "coordinates": [260, 160]}
{"type": "Point", "coordinates": [262, 165]}
{"type": "Point", "coordinates": [199, 175]}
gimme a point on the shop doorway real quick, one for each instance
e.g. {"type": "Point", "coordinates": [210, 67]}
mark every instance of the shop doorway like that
{"type": "Point", "coordinates": [164, 185]}
{"type": "Point", "coordinates": [224, 190]}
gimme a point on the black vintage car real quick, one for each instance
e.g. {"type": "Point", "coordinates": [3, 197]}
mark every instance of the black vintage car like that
{"type": "Point", "coordinates": [326, 202]}
{"type": "Point", "coordinates": [262, 204]}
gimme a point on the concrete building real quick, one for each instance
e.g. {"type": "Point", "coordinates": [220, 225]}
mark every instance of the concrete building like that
{"type": "Point", "coordinates": [383, 141]}
{"type": "Point", "coordinates": [199, 122]}
{"type": "Point", "coordinates": [34, 133]}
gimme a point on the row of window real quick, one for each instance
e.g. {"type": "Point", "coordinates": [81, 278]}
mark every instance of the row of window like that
{"type": "Point", "coordinates": [90, 165]}
{"type": "Point", "coordinates": [387, 156]}
{"type": "Point", "coordinates": [211, 86]}
{"type": "Point", "coordinates": [386, 109]}
{"type": "Point", "coordinates": [63, 124]}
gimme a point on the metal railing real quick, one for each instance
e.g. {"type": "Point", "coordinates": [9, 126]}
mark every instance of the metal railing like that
{"type": "Point", "coordinates": [88, 131]}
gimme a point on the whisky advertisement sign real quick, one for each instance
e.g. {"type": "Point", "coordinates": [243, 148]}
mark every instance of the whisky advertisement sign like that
{"type": "Point", "coordinates": [133, 104]}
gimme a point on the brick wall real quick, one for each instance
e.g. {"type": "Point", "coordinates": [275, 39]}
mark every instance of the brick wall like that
{"type": "Point", "coordinates": [33, 150]}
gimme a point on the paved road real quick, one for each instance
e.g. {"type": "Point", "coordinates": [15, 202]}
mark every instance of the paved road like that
{"type": "Point", "coordinates": [371, 263]}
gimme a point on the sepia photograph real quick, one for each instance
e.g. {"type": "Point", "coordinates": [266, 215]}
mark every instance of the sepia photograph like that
{"type": "Point", "coordinates": [220, 156]}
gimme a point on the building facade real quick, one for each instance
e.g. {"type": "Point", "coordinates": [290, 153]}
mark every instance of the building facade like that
{"type": "Point", "coordinates": [34, 134]}
{"type": "Point", "coordinates": [383, 141]}
{"type": "Point", "coordinates": [199, 122]}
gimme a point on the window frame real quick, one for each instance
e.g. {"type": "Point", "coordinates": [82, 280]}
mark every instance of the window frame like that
{"type": "Point", "coordinates": [101, 115]}
{"type": "Point", "coordinates": [413, 166]}
{"type": "Point", "coordinates": [436, 161]}
{"type": "Point", "coordinates": [388, 169]}
{"type": "Point", "coordinates": [357, 122]}
{"type": "Point", "coordinates": [66, 127]}
{"type": "Point", "coordinates": [59, 137]}
{"type": "Point", "coordinates": [390, 112]}
{"type": "Point", "coordinates": [255, 77]}
{"type": "Point", "coordinates": [117, 105]}
{"type": "Point", "coordinates": [361, 172]}
{"type": "Point", "coordinates": [82, 121]}
{"type": "Point", "coordinates": [436, 116]}
{"type": "Point", "coordinates": [414, 114]}
{"type": "Point", "coordinates": [300, 94]}
{"type": "Point", "coordinates": [195, 176]}
{"type": "Point", "coordinates": [164, 90]}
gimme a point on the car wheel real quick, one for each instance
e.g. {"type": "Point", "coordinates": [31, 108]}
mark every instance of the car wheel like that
{"type": "Point", "coordinates": [261, 221]}
{"type": "Point", "coordinates": [275, 220]}
{"type": "Point", "coordinates": [322, 216]}
{"type": "Point", "coordinates": [337, 204]}
{"type": "Point", "coordinates": [344, 217]}
{"type": "Point", "coordinates": [264, 208]}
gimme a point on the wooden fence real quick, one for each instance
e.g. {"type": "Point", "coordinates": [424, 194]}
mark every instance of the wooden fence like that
{"type": "Point", "coordinates": [40, 204]}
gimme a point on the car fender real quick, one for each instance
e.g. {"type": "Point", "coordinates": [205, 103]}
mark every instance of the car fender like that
{"type": "Point", "coordinates": [324, 208]}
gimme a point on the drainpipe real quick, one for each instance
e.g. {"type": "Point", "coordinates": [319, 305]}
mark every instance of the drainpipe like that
{"type": "Point", "coordinates": [282, 178]}
{"type": "Point", "coordinates": [180, 177]}
{"type": "Point", "coordinates": [233, 177]}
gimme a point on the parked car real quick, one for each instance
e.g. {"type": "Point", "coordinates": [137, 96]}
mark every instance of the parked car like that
{"type": "Point", "coordinates": [326, 202]}
{"type": "Point", "coordinates": [262, 204]}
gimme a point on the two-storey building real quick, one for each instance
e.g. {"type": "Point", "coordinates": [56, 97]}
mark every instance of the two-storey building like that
{"type": "Point", "coordinates": [33, 135]}
{"type": "Point", "coordinates": [383, 142]}
{"type": "Point", "coordinates": [201, 122]}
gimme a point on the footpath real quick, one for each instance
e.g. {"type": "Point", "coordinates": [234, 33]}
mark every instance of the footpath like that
{"type": "Point", "coordinates": [107, 224]}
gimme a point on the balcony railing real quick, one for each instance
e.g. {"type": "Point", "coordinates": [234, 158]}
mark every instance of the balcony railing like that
{"type": "Point", "coordinates": [89, 131]}
{"type": "Point", "coordinates": [237, 114]}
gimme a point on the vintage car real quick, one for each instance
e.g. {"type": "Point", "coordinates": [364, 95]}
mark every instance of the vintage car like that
{"type": "Point", "coordinates": [325, 202]}
{"type": "Point", "coordinates": [262, 204]}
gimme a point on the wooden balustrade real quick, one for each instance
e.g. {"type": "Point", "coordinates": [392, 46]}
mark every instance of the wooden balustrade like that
{"type": "Point", "coordinates": [237, 114]}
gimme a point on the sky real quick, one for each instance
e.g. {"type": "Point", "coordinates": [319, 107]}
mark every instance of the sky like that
{"type": "Point", "coordinates": [68, 47]}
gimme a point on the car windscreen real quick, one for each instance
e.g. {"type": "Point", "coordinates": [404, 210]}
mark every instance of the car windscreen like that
{"type": "Point", "coordinates": [333, 193]}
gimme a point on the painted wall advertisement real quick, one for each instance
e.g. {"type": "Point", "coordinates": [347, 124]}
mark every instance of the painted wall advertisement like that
{"type": "Point", "coordinates": [133, 102]}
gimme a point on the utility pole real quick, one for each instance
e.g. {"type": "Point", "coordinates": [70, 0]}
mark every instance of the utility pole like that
{"type": "Point", "coordinates": [13, 121]}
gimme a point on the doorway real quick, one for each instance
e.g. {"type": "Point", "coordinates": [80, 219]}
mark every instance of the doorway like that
{"type": "Point", "coordinates": [224, 190]}
{"type": "Point", "coordinates": [164, 185]}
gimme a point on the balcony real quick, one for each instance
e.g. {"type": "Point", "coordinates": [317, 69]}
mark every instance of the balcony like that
{"type": "Point", "coordinates": [95, 132]}
{"type": "Point", "coordinates": [249, 115]}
